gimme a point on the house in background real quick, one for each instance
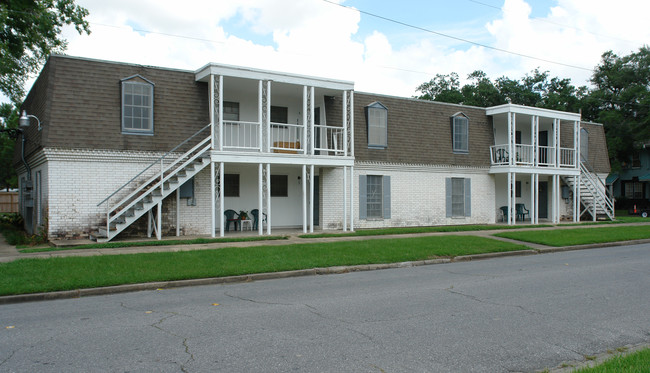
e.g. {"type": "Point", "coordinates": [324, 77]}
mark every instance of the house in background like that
{"type": "Point", "coordinates": [126, 149]}
{"type": "Point", "coordinates": [631, 185]}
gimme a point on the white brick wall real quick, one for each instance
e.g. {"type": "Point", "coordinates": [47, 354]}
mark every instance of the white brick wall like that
{"type": "Point", "coordinates": [417, 196]}
{"type": "Point", "coordinates": [77, 181]}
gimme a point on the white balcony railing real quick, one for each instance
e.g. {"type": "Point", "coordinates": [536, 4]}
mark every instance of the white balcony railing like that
{"type": "Point", "coordinates": [287, 138]}
{"type": "Point", "coordinates": [329, 140]}
{"type": "Point", "coordinates": [567, 157]}
{"type": "Point", "coordinates": [239, 135]}
{"type": "Point", "coordinates": [546, 156]}
{"type": "Point", "coordinates": [523, 156]}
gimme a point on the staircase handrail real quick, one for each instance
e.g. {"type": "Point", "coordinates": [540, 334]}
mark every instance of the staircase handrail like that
{"type": "Point", "coordinates": [161, 158]}
{"type": "Point", "coordinates": [157, 178]}
{"type": "Point", "coordinates": [599, 191]}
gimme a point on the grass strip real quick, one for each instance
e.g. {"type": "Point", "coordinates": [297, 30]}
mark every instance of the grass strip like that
{"type": "Point", "coordinates": [635, 362]}
{"type": "Point", "coordinates": [195, 241]}
{"type": "Point", "coordinates": [411, 230]}
{"type": "Point", "coordinates": [580, 236]}
{"type": "Point", "coordinates": [68, 273]}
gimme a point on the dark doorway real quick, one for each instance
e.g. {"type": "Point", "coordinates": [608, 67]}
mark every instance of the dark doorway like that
{"type": "Point", "coordinates": [542, 204]}
{"type": "Point", "coordinates": [316, 200]}
{"type": "Point", "coordinates": [542, 138]}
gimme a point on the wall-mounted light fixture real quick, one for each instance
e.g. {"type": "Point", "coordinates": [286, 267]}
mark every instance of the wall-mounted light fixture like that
{"type": "Point", "coordinates": [24, 120]}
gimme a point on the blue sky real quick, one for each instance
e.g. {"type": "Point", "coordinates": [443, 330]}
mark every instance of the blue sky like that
{"type": "Point", "coordinates": [315, 37]}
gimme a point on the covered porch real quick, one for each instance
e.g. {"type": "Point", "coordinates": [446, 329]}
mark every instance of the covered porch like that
{"type": "Point", "coordinates": [533, 197]}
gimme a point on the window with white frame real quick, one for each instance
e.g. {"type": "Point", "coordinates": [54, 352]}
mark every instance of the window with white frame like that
{"type": "Point", "coordinates": [374, 197]}
{"type": "Point", "coordinates": [137, 105]}
{"type": "Point", "coordinates": [460, 133]}
{"type": "Point", "coordinates": [459, 197]}
{"type": "Point", "coordinates": [377, 117]}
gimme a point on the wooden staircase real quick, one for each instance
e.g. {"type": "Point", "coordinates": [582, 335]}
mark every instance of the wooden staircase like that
{"type": "Point", "coordinates": [149, 192]}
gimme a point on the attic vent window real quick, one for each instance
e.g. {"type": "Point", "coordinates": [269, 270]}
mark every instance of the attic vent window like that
{"type": "Point", "coordinates": [377, 117]}
{"type": "Point", "coordinates": [460, 133]}
{"type": "Point", "coordinates": [137, 106]}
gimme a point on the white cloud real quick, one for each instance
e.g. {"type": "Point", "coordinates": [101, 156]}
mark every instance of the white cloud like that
{"type": "Point", "coordinates": [314, 37]}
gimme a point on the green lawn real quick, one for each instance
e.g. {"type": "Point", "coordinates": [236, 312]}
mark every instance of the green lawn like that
{"type": "Point", "coordinates": [39, 275]}
{"type": "Point", "coordinates": [638, 362]}
{"type": "Point", "coordinates": [580, 236]}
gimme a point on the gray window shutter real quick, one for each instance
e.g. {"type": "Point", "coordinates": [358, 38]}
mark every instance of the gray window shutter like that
{"type": "Point", "coordinates": [468, 197]}
{"type": "Point", "coordinates": [448, 196]}
{"type": "Point", "coordinates": [363, 202]}
{"type": "Point", "coordinates": [386, 191]}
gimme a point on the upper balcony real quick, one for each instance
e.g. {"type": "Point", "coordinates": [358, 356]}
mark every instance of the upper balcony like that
{"type": "Point", "coordinates": [527, 137]}
{"type": "Point", "coordinates": [276, 114]}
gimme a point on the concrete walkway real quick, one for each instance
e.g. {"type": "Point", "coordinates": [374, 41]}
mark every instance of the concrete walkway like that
{"type": "Point", "coordinates": [9, 253]}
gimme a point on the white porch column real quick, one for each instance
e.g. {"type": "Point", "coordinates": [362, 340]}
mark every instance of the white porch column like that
{"type": "Point", "coordinates": [268, 122]}
{"type": "Point", "coordinates": [159, 221]}
{"type": "Point", "coordinates": [351, 198]}
{"type": "Point", "coordinates": [345, 137]}
{"type": "Point", "coordinates": [268, 198]}
{"type": "Point", "coordinates": [260, 199]}
{"type": "Point", "coordinates": [312, 138]}
{"type": "Point", "coordinates": [260, 118]}
{"type": "Point", "coordinates": [510, 151]}
{"type": "Point", "coordinates": [211, 103]}
{"type": "Point", "coordinates": [556, 132]}
{"type": "Point", "coordinates": [509, 191]}
{"type": "Point", "coordinates": [351, 129]}
{"type": "Point", "coordinates": [220, 112]}
{"type": "Point", "coordinates": [178, 212]}
{"type": "Point", "coordinates": [221, 199]}
{"type": "Point", "coordinates": [345, 197]}
{"type": "Point", "coordinates": [533, 205]}
{"type": "Point", "coordinates": [213, 202]}
{"type": "Point", "coordinates": [535, 215]}
{"type": "Point", "coordinates": [556, 199]}
{"type": "Point", "coordinates": [303, 179]}
{"type": "Point", "coordinates": [311, 198]}
{"type": "Point", "coordinates": [514, 197]}
{"type": "Point", "coordinates": [305, 125]}
{"type": "Point", "coordinates": [577, 144]}
{"type": "Point", "coordinates": [576, 196]}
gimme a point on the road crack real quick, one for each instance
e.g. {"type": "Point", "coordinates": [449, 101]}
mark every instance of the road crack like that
{"type": "Point", "coordinates": [449, 290]}
{"type": "Point", "coordinates": [256, 301]}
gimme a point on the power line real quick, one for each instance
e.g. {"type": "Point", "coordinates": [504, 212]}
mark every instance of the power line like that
{"type": "Point", "coordinates": [458, 38]}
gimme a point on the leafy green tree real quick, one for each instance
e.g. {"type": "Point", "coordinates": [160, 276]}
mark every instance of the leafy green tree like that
{"type": "Point", "coordinates": [443, 88]}
{"type": "Point", "coordinates": [9, 119]}
{"type": "Point", "coordinates": [621, 101]}
{"type": "Point", "coordinates": [534, 89]}
{"type": "Point", "coordinates": [481, 91]}
{"type": "Point", "coordinates": [29, 32]}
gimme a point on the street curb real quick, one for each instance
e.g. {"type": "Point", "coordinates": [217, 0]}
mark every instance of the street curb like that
{"type": "Point", "coordinates": [160, 285]}
{"type": "Point", "coordinates": [466, 258]}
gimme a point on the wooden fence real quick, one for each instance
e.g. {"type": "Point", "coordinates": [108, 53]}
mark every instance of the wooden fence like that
{"type": "Point", "coordinates": [8, 202]}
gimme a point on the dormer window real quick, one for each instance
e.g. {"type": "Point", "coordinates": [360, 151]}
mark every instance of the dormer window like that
{"type": "Point", "coordinates": [137, 105]}
{"type": "Point", "coordinates": [460, 133]}
{"type": "Point", "coordinates": [377, 119]}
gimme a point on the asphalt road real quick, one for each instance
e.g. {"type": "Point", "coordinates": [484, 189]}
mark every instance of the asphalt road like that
{"type": "Point", "coordinates": [508, 314]}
